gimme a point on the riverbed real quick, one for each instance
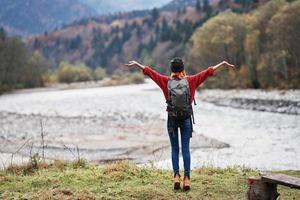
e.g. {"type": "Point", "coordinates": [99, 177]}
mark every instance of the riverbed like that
{"type": "Point", "coordinates": [104, 124]}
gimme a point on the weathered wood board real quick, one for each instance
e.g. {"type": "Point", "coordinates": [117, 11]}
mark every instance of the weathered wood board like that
{"type": "Point", "coordinates": [281, 179]}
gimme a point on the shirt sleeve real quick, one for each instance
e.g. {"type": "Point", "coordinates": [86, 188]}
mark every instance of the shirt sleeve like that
{"type": "Point", "coordinates": [200, 77]}
{"type": "Point", "coordinates": [159, 79]}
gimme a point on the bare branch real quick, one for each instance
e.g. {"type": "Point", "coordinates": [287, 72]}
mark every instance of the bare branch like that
{"type": "Point", "coordinates": [3, 164]}
{"type": "Point", "coordinates": [12, 155]}
{"type": "Point", "coordinates": [43, 141]}
{"type": "Point", "coordinates": [78, 154]}
{"type": "Point", "coordinates": [69, 150]}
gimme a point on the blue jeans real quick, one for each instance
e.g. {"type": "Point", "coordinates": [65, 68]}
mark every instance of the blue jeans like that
{"type": "Point", "coordinates": [185, 132]}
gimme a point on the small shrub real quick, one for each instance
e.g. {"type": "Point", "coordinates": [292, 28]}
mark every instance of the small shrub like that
{"type": "Point", "coordinates": [59, 164]}
{"type": "Point", "coordinates": [29, 168]}
{"type": "Point", "coordinates": [99, 73]}
{"type": "Point", "coordinates": [68, 73]}
{"type": "Point", "coordinates": [136, 78]}
{"type": "Point", "coordinates": [79, 163]}
{"type": "Point", "coordinates": [127, 78]}
{"type": "Point", "coordinates": [4, 88]}
{"type": "Point", "coordinates": [119, 74]}
{"type": "Point", "coordinates": [50, 77]}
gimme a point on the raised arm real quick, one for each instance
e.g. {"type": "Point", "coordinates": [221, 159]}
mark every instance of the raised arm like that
{"type": "Point", "coordinates": [159, 79]}
{"type": "Point", "coordinates": [200, 77]}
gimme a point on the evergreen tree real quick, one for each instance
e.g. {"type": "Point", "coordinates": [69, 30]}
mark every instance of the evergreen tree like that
{"type": "Point", "coordinates": [165, 31]}
{"type": "Point", "coordinates": [207, 8]}
{"type": "Point", "coordinates": [2, 33]}
{"type": "Point", "coordinates": [198, 5]}
{"type": "Point", "coordinates": [37, 44]}
{"type": "Point", "coordinates": [139, 31]}
{"type": "Point", "coordinates": [154, 14]}
{"type": "Point", "coordinates": [157, 29]}
{"type": "Point", "coordinates": [222, 4]}
{"type": "Point", "coordinates": [151, 43]}
{"type": "Point", "coordinates": [75, 43]}
{"type": "Point", "coordinates": [246, 4]}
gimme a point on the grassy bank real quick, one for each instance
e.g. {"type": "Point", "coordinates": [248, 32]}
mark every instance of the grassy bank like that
{"type": "Point", "coordinates": [124, 180]}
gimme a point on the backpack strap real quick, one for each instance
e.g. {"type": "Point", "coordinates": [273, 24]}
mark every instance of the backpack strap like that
{"type": "Point", "coordinates": [168, 101]}
{"type": "Point", "coordinates": [193, 116]}
{"type": "Point", "coordinates": [191, 126]}
{"type": "Point", "coordinates": [169, 92]}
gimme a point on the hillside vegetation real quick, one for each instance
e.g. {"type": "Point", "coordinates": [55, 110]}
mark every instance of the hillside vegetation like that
{"type": "Point", "coordinates": [153, 37]}
{"type": "Point", "coordinates": [260, 39]}
{"type": "Point", "coordinates": [261, 42]}
{"type": "Point", "coordinates": [125, 180]}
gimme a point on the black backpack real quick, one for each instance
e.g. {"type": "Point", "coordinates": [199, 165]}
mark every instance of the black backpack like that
{"type": "Point", "coordinates": [179, 102]}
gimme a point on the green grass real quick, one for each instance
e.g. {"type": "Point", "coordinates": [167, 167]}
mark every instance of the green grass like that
{"type": "Point", "coordinates": [124, 180]}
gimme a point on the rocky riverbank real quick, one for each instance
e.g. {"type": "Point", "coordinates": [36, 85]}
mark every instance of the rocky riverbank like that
{"type": "Point", "coordinates": [106, 124]}
{"type": "Point", "coordinates": [129, 122]}
{"type": "Point", "coordinates": [278, 101]}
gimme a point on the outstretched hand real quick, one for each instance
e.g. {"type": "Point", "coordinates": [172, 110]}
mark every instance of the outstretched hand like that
{"type": "Point", "coordinates": [226, 64]}
{"type": "Point", "coordinates": [133, 63]}
{"type": "Point", "coordinates": [223, 64]}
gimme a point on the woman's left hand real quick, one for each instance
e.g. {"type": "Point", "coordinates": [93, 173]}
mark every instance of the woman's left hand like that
{"type": "Point", "coordinates": [133, 63]}
{"type": "Point", "coordinates": [224, 64]}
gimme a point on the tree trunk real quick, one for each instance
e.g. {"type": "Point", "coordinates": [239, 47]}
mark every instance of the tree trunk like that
{"type": "Point", "coordinates": [259, 190]}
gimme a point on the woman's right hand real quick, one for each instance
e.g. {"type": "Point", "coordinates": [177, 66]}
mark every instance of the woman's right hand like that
{"type": "Point", "coordinates": [134, 63]}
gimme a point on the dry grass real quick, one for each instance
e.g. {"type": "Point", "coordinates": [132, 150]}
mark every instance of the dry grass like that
{"type": "Point", "coordinates": [124, 180]}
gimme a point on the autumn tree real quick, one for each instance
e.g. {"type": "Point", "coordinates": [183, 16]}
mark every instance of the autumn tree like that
{"type": "Point", "coordinates": [19, 68]}
{"type": "Point", "coordinates": [284, 33]}
{"type": "Point", "coordinates": [220, 38]}
{"type": "Point", "coordinates": [33, 70]}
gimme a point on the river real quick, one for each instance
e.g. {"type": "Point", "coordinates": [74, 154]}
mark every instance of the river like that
{"type": "Point", "coordinates": [129, 122]}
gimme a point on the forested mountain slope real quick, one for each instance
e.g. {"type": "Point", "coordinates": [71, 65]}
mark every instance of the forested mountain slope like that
{"type": "Point", "coordinates": [245, 33]}
{"type": "Point", "coordinates": [108, 41]}
{"type": "Point", "coordinates": [26, 17]}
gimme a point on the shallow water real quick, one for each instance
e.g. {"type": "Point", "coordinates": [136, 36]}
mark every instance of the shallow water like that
{"type": "Point", "coordinates": [129, 122]}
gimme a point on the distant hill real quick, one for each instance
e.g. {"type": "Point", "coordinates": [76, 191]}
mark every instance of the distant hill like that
{"type": "Point", "coordinates": [180, 4]}
{"type": "Point", "coordinates": [177, 4]}
{"type": "Point", "coordinates": [36, 16]}
{"type": "Point", "coordinates": [108, 7]}
{"type": "Point", "coordinates": [151, 36]}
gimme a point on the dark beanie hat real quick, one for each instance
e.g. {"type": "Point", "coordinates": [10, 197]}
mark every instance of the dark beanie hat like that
{"type": "Point", "coordinates": [176, 65]}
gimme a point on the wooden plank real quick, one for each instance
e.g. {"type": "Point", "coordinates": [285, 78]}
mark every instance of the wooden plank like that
{"type": "Point", "coordinates": [282, 179]}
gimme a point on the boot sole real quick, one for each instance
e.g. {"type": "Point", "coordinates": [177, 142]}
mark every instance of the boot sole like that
{"type": "Point", "coordinates": [176, 186]}
{"type": "Point", "coordinates": [186, 188]}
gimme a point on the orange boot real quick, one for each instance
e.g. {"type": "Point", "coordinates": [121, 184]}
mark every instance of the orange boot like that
{"type": "Point", "coordinates": [186, 183]}
{"type": "Point", "coordinates": [177, 182]}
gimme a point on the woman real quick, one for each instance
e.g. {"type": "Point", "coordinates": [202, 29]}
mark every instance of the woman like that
{"type": "Point", "coordinates": [174, 122]}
